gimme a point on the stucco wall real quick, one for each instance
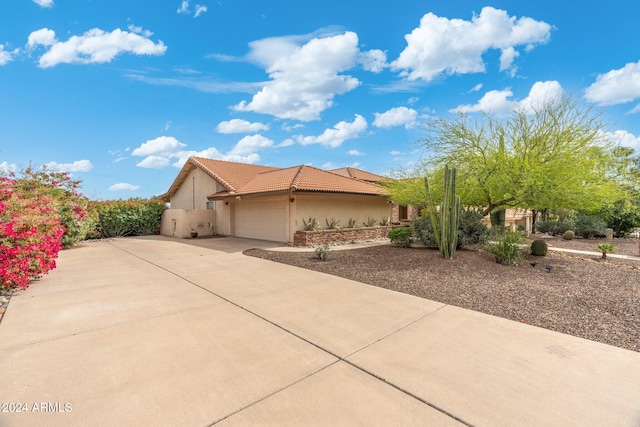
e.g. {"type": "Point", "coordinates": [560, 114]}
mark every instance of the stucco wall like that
{"type": "Point", "coordinates": [193, 192]}
{"type": "Point", "coordinates": [339, 207]}
{"type": "Point", "coordinates": [180, 222]}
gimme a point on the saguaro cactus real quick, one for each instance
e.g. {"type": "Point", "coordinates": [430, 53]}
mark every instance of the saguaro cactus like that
{"type": "Point", "coordinates": [445, 230]}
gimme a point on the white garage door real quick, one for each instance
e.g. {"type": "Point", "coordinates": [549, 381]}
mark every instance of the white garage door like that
{"type": "Point", "coordinates": [264, 220]}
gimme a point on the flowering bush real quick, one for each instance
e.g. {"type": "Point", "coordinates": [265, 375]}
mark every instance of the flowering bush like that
{"type": "Point", "coordinates": [30, 235]}
{"type": "Point", "coordinates": [72, 207]}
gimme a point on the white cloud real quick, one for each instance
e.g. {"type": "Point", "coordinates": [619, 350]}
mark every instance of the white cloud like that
{"type": "Point", "coordinates": [289, 128]}
{"type": "Point", "coordinates": [200, 9]}
{"type": "Point", "coordinates": [497, 101]}
{"type": "Point", "coordinates": [160, 146]}
{"type": "Point", "coordinates": [455, 46]}
{"type": "Point", "coordinates": [94, 46]}
{"type": "Point", "coordinates": [624, 138]}
{"type": "Point", "coordinates": [160, 152]}
{"type": "Point", "coordinates": [250, 144]}
{"type": "Point", "coordinates": [44, 3]}
{"type": "Point", "coordinates": [507, 57]}
{"type": "Point", "coordinates": [304, 79]}
{"type": "Point", "coordinates": [540, 94]}
{"type": "Point", "coordinates": [123, 186]}
{"type": "Point", "coordinates": [355, 153]}
{"type": "Point", "coordinates": [373, 60]}
{"type": "Point", "coordinates": [43, 36]}
{"type": "Point", "coordinates": [395, 153]}
{"type": "Point", "coordinates": [399, 116]}
{"type": "Point", "coordinates": [184, 7]}
{"type": "Point", "coordinates": [77, 166]}
{"type": "Point", "coordinates": [8, 167]}
{"type": "Point", "coordinates": [240, 126]}
{"type": "Point", "coordinates": [493, 101]}
{"type": "Point", "coordinates": [335, 136]}
{"type": "Point", "coordinates": [154, 162]}
{"type": "Point", "coordinates": [616, 86]}
{"type": "Point", "coordinates": [5, 56]}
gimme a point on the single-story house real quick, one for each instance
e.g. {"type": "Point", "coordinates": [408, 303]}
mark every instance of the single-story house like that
{"type": "Point", "coordinates": [261, 202]}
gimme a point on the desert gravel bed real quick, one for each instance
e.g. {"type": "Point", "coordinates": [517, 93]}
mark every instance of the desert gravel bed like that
{"type": "Point", "coordinates": [582, 295]}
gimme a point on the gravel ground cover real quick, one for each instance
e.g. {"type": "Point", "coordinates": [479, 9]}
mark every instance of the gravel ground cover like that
{"type": "Point", "coordinates": [582, 295]}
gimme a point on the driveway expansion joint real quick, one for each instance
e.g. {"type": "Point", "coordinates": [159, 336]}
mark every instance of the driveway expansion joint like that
{"type": "Point", "coordinates": [318, 346]}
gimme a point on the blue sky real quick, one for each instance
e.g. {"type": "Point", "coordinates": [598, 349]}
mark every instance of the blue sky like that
{"type": "Point", "coordinates": [121, 93]}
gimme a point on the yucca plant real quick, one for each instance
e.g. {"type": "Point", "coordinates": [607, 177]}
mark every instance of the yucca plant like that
{"type": "Point", "coordinates": [334, 224]}
{"type": "Point", "coordinates": [312, 225]}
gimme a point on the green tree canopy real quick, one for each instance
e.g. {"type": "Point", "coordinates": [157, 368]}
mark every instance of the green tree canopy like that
{"type": "Point", "coordinates": [551, 156]}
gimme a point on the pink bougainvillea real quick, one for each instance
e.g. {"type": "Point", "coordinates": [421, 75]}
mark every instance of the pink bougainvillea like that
{"type": "Point", "coordinates": [30, 236]}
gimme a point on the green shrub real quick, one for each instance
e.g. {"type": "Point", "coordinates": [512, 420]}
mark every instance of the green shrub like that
{"type": "Point", "coordinates": [568, 235]}
{"type": "Point", "coordinates": [322, 251]}
{"type": "Point", "coordinates": [133, 217]}
{"type": "Point", "coordinates": [508, 250]}
{"type": "Point", "coordinates": [589, 226]}
{"type": "Point", "coordinates": [471, 230]}
{"type": "Point", "coordinates": [401, 237]}
{"type": "Point", "coordinates": [622, 217]}
{"type": "Point", "coordinates": [539, 248]}
{"type": "Point", "coordinates": [424, 231]}
{"type": "Point", "coordinates": [554, 228]}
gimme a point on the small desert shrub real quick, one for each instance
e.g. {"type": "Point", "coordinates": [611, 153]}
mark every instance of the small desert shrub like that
{"type": "Point", "coordinates": [401, 237]}
{"type": "Point", "coordinates": [568, 235]}
{"type": "Point", "coordinates": [554, 228]}
{"type": "Point", "coordinates": [605, 248]}
{"type": "Point", "coordinates": [385, 221]}
{"type": "Point", "coordinates": [322, 252]}
{"type": "Point", "coordinates": [508, 250]}
{"type": "Point", "coordinates": [352, 223]}
{"type": "Point", "coordinates": [539, 248]}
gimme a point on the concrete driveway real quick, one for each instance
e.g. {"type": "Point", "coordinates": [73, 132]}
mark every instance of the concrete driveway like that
{"type": "Point", "coordinates": [162, 332]}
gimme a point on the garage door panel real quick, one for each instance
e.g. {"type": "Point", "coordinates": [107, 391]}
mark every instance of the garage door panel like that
{"type": "Point", "coordinates": [264, 220]}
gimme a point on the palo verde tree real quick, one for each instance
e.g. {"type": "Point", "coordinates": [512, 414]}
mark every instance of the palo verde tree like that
{"type": "Point", "coordinates": [550, 156]}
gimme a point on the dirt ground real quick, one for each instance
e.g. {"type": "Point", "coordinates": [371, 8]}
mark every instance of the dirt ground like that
{"type": "Point", "coordinates": [581, 295]}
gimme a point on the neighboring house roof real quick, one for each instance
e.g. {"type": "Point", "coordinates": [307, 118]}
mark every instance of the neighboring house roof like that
{"type": "Point", "coordinates": [359, 174]}
{"type": "Point", "coordinates": [241, 179]}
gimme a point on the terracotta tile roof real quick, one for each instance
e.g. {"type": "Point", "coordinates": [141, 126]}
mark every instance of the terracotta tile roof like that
{"type": "Point", "coordinates": [307, 178]}
{"type": "Point", "coordinates": [231, 175]}
{"type": "Point", "coordinates": [359, 174]}
{"type": "Point", "coordinates": [245, 179]}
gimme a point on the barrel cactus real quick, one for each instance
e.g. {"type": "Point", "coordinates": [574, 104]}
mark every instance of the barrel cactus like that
{"type": "Point", "coordinates": [539, 248]}
{"type": "Point", "coordinates": [568, 235]}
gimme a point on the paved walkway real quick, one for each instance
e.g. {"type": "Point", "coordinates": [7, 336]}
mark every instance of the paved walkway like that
{"type": "Point", "coordinates": [162, 332]}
